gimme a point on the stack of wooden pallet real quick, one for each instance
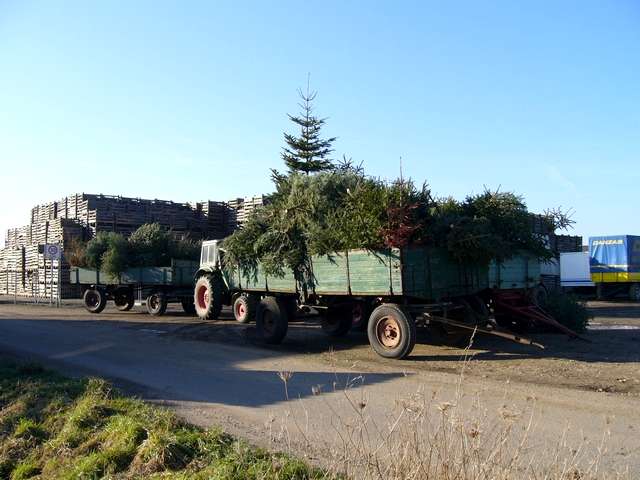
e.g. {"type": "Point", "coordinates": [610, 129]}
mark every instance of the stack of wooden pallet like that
{"type": "Point", "coordinates": [81, 216]}
{"type": "Point", "coordinates": [25, 272]}
{"type": "Point", "coordinates": [217, 215]}
{"type": "Point", "coordinates": [565, 243]}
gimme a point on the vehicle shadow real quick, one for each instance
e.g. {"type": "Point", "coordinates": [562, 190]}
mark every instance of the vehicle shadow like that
{"type": "Point", "coordinates": [147, 355]}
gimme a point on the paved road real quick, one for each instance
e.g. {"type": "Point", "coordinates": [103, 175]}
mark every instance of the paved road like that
{"type": "Point", "coordinates": [241, 386]}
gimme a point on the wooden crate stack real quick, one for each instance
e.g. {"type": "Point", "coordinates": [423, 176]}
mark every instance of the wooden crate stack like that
{"type": "Point", "coordinates": [565, 243]}
{"type": "Point", "coordinates": [217, 215]}
{"type": "Point", "coordinates": [25, 272]}
{"type": "Point", "coordinates": [81, 216]}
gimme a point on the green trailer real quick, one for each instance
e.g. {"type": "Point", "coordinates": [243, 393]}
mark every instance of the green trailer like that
{"type": "Point", "coordinates": [153, 287]}
{"type": "Point", "coordinates": [388, 292]}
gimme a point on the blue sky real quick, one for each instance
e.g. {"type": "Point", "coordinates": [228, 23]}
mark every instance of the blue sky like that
{"type": "Point", "coordinates": [188, 100]}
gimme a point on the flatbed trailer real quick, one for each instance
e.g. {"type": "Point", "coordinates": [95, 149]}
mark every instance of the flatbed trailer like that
{"type": "Point", "coordinates": [152, 287]}
{"type": "Point", "coordinates": [389, 292]}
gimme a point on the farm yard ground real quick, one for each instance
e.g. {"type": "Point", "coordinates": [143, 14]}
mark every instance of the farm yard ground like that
{"type": "Point", "coordinates": [214, 372]}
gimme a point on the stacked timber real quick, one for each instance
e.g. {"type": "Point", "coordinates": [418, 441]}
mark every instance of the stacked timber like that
{"type": "Point", "coordinates": [217, 215]}
{"type": "Point", "coordinates": [122, 214]}
{"type": "Point", "coordinates": [80, 216]}
{"type": "Point", "coordinates": [565, 243]}
{"type": "Point", "coordinates": [24, 272]}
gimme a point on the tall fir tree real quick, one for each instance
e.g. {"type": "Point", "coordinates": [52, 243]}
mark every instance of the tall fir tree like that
{"type": "Point", "coordinates": [308, 152]}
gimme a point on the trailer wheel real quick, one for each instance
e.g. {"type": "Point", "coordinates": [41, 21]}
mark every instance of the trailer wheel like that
{"type": "Point", "coordinates": [272, 320]}
{"type": "Point", "coordinates": [634, 292]}
{"type": "Point", "coordinates": [360, 313]}
{"type": "Point", "coordinates": [94, 300]}
{"type": "Point", "coordinates": [208, 297]}
{"type": "Point", "coordinates": [538, 295]}
{"type": "Point", "coordinates": [188, 306]}
{"type": "Point", "coordinates": [291, 305]}
{"type": "Point", "coordinates": [453, 336]}
{"type": "Point", "coordinates": [123, 298]}
{"type": "Point", "coordinates": [157, 304]}
{"type": "Point", "coordinates": [337, 321]}
{"type": "Point", "coordinates": [244, 308]}
{"type": "Point", "coordinates": [391, 331]}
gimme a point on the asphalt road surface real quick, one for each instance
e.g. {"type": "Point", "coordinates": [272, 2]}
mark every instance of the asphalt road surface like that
{"type": "Point", "coordinates": [296, 393]}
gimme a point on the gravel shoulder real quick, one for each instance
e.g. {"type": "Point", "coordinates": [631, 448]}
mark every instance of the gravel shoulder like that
{"type": "Point", "coordinates": [215, 373]}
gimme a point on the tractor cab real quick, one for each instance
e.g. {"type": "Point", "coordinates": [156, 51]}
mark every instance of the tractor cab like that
{"type": "Point", "coordinates": [211, 255]}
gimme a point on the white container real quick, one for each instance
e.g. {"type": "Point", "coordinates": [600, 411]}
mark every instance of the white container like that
{"type": "Point", "coordinates": [575, 270]}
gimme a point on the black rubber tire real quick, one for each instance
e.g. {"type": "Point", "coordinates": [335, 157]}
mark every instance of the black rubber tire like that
{"type": "Point", "coordinates": [207, 296]}
{"type": "Point", "coordinates": [188, 306]}
{"type": "Point", "coordinates": [272, 320]}
{"type": "Point", "coordinates": [291, 305]}
{"type": "Point", "coordinates": [480, 308]}
{"type": "Point", "coordinates": [94, 300]}
{"type": "Point", "coordinates": [538, 295]}
{"type": "Point", "coordinates": [360, 313]}
{"type": "Point", "coordinates": [452, 336]}
{"type": "Point", "coordinates": [123, 299]}
{"type": "Point", "coordinates": [336, 321]}
{"type": "Point", "coordinates": [157, 304]}
{"type": "Point", "coordinates": [244, 307]}
{"type": "Point", "coordinates": [406, 331]}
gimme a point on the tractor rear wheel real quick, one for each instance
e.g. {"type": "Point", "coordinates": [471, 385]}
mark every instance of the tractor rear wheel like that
{"type": "Point", "coordinates": [208, 297]}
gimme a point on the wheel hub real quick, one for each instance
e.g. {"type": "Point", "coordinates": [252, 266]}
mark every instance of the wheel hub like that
{"type": "Point", "coordinates": [92, 299]}
{"type": "Point", "coordinates": [388, 332]}
{"type": "Point", "coordinates": [240, 310]}
{"type": "Point", "coordinates": [203, 297]}
{"type": "Point", "coordinates": [268, 322]}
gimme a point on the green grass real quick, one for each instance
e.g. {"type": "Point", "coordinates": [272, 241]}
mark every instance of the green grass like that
{"type": "Point", "coordinates": [53, 427]}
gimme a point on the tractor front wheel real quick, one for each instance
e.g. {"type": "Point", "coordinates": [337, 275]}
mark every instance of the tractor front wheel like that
{"type": "Point", "coordinates": [244, 308]}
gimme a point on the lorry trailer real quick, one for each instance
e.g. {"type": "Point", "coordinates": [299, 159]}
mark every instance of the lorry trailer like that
{"type": "Point", "coordinates": [615, 265]}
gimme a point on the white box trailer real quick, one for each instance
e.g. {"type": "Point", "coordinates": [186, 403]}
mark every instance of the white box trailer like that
{"type": "Point", "coordinates": [575, 270]}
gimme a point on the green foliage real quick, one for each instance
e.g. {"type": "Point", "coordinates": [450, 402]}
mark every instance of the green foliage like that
{"type": "Point", "coordinates": [568, 310]}
{"type": "Point", "coordinates": [308, 152]}
{"type": "Point", "coordinates": [344, 209]}
{"type": "Point", "coordinates": [117, 257]}
{"type": "Point", "coordinates": [98, 246]}
{"type": "Point", "coordinates": [59, 428]}
{"type": "Point", "coordinates": [149, 245]}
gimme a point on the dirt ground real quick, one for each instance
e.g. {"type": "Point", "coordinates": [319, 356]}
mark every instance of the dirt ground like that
{"type": "Point", "coordinates": [608, 362]}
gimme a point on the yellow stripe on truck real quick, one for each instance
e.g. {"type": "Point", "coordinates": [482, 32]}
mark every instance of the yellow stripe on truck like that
{"type": "Point", "coordinates": [615, 277]}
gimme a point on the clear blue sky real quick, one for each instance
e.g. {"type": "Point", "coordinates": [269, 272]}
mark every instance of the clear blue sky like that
{"type": "Point", "coordinates": [188, 100]}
